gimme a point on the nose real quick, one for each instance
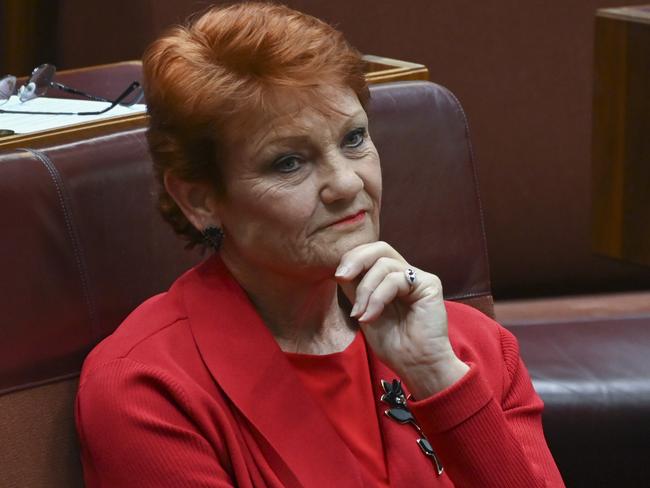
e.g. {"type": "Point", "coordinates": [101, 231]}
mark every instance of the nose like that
{"type": "Point", "coordinates": [340, 179]}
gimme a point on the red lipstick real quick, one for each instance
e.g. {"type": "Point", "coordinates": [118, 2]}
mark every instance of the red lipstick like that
{"type": "Point", "coordinates": [351, 219]}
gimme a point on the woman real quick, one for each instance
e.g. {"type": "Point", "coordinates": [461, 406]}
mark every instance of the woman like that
{"type": "Point", "coordinates": [252, 370]}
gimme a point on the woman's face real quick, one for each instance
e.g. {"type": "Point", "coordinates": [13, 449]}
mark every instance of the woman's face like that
{"type": "Point", "coordinates": [302, 188]}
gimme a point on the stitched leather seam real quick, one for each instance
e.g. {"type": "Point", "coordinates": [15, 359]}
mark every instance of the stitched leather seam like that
{"type": "Point", "coordinates": [468, 295]}
{"type": "Point", "coordinates": [38, 384]}
{"type": "Point", "coordinates": [72, 235]}
{"type": "Point", "coordinates": [476, 186]}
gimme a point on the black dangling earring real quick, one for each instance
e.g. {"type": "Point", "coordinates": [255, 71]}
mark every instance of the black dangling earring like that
{"type": "Point", "coordinates": [213, 237]}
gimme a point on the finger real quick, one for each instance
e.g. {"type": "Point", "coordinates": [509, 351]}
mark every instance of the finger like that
{"type": "Point", "coordinates": [361, 258]}
{"type": "Point", "coordinates": [355, 262]}
{"type": "Point", "coordinates": [373, 277]}
{"type": "Point", "coordinates": [392, 286]}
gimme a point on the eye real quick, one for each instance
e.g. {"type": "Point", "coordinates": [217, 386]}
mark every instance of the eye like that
{"type": "Point", "coordinates": [287, 164]}
{"type": "Point", "coordinates": [354, 138]}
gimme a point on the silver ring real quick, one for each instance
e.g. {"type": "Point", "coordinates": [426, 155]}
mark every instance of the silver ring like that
{"type": "Point", "coordinates": [411, 276]}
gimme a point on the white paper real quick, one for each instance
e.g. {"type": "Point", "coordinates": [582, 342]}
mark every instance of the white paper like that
{"type": "Point", "coordinates": [30, 123]}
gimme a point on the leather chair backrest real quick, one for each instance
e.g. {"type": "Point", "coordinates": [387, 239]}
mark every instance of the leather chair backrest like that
{"type": "Point", "coordinates": [431, 210]}
{"type": "Point", "coordinates": [82, 245]}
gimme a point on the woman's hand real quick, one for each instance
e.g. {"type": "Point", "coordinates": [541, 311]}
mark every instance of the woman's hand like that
{"type": "Point", "coordinates": [405, 324]}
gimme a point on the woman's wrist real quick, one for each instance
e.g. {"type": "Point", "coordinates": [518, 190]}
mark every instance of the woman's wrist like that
{"type": "Point", "coordinates": [429, 376]}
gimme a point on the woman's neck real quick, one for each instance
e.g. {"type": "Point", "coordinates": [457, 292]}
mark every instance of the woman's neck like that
{"type": "Point", "coordinates": [303, 315]}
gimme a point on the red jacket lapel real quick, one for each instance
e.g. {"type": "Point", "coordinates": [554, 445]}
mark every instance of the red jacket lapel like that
{"type": "Point", "coordinates": [247, 363]}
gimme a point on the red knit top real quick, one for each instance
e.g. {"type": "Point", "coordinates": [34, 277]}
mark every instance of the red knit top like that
{"type": "Point", "coordinates": [340, 385]}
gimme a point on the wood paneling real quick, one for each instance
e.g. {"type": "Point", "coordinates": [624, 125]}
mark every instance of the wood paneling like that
{"type": "Point", "coordinates": [27, 34]}
{"type": "Point", "coordinates": [621, 134]}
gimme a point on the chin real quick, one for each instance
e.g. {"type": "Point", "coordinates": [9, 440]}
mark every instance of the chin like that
{"type": "Point", "coordinates": [349, 242]}
{"type": "Point", "coordinates": [323, 257]}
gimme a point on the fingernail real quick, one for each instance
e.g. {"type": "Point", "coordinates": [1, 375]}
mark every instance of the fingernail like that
{"type": "Point", "coordinates": [341, 271]}
{"type": "Point", "coordinates": [363, 317]}
{"type": "Point", "coordinates": [355, 310]}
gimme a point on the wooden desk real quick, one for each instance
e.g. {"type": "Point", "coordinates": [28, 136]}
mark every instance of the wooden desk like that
{"type": "Point", "coordinates": [107, 80]}
{"type": "Point", "coordinates": [621, 134]}
{"type": "Point", "coordinates": [378, 70]}
{"type": "Point", "coordinates": [385, 70]}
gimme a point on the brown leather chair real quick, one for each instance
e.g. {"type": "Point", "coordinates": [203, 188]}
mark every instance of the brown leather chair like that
{"type": "Point", "coordinates": [83, 245]}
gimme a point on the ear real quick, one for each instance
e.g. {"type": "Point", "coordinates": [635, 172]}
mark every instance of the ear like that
{"type": "Point", "coordinates": [197, 201]}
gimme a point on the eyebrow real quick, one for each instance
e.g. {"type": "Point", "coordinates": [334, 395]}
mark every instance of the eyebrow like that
{"type": "Point", "coordinates": [265, 141]}
{"type": "Point", "coordinates": [266, 147]}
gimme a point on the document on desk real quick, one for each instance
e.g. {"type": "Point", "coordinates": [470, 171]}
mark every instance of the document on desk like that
{"type": "Point", "coordinates": [27, 123]}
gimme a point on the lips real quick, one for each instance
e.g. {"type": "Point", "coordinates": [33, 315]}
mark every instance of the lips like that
{"type": "Point", "coordinates": [351, 218]}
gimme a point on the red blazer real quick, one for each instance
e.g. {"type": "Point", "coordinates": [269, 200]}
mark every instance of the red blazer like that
{"type": "Point", "coordinates": [193, 391]}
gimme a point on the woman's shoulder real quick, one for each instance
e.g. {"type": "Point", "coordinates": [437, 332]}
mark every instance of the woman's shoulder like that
{"type": "Point", "coordinates": [149, 324]}
{"type": "Point", "coordinates": [149, 335]}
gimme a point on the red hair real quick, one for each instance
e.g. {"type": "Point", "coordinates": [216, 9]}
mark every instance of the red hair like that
{"type": "Point", "coordinates": [205, 79]}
